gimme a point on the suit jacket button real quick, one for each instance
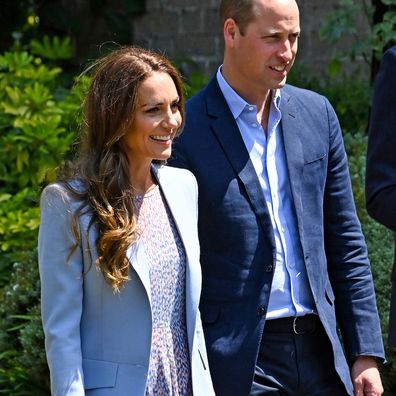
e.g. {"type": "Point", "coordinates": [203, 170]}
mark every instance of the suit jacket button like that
{"type": "Point", "coordinates": [260, 311]}
{"type": "Point", "coordinates": [268, 268]}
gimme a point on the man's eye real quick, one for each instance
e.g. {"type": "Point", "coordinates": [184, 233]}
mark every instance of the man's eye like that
{"type": "Point", "coordinates": [271, 38]}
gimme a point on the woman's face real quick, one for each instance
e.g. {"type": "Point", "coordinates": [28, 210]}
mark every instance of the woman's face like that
{"type": "Point", "coordinates": [156, 120]}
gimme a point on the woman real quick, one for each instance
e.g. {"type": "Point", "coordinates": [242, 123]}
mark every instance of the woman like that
{"type": "Point", "coordinates": [118, 244]}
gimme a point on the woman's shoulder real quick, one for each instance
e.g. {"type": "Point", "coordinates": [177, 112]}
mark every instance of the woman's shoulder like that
{"type": "Point", "coordinates": [63, 191]}
{"type": "Point", "coordinates": [178, 173]}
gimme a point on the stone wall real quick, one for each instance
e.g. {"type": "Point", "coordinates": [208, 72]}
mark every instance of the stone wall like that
{"type": "Point", "coordinates": [189, 29]}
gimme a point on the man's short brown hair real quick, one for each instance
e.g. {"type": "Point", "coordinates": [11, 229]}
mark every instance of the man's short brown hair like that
{"type": "Point", "coordinates": [241, 11]}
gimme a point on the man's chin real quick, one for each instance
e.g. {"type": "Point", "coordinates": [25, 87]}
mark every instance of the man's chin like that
{"type": "Point", "coordinates": [280, 84]}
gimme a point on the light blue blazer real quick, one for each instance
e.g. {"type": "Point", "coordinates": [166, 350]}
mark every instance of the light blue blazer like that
{"type": "Point", "coordinates": [98, 342]}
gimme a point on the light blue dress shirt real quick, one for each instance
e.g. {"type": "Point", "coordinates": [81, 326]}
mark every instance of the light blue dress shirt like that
{"type": "Point", "coordinates": [290, 292]}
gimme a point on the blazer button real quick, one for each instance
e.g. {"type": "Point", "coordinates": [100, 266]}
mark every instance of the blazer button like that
{"type": "Point", "coordinates": [260, 311]}
{"type": "Point", "coordinates": [268, 268]}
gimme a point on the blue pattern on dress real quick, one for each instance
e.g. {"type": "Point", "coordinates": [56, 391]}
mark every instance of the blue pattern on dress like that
{"type": "Point", "coordinates": [169, 371]}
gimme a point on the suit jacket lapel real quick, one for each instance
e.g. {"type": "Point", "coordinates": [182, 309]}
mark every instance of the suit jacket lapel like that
{"type": "Point", "coordinates": [291, 129]}
{"type": "Point", "coordinates": [230, 139]}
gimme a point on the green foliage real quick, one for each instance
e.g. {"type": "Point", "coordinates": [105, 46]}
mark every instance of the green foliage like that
{"type": "Point", "coordinates": [195, 83]}
{"type": "Point", "coordinates": [19, 220]}
{"type": "Point", "coordinates": [38, 121]}
{"type": "Point", "coordinates": [385, 32]}
{"type": "Point", "coordinates": [54, 48]}
{"type": "Point", "coordinates": [343, 22]}
{"type": "Point", "coordinates": [22, 359]}
{"type": "Point", "coordinates": [34, 122]}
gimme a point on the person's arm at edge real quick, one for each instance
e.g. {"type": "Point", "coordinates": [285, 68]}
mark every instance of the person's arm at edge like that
{"type": "Point", "coordinates": [381, 158]}
{"type": "Point", "coordinates": [61, 293]}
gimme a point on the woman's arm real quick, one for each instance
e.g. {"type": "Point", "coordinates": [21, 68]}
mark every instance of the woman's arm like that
{"type": "Point", "coordinates": [61, 292]}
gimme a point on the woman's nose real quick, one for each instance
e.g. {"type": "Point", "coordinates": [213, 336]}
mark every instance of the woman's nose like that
{"type": "Point", "coordinates": [171, 121]}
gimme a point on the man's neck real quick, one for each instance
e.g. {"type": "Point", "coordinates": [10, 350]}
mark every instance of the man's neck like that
{"type": "Point", "coordinates": [249, 92]}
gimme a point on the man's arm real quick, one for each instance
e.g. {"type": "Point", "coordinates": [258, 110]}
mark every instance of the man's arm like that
{"type": "Point", "coordinates": [349, 272]}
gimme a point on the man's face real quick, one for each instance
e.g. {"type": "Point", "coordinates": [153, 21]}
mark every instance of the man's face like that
{"type": "Point", "coordinates": [264, 54]}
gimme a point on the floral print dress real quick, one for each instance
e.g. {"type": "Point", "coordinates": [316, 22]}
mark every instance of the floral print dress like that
{"type": "Point", "coordinates": [169, 371]}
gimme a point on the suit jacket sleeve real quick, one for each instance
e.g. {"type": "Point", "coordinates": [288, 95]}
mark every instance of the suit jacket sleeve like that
{"type": "Point", "coordinates": [347, 259]}
{"type": "Point", "coordinates": [61, 293]}
{"type": "Point", "coordinates": [381, 158]}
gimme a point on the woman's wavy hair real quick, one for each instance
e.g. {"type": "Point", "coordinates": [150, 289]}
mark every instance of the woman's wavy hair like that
{"type": "Point", "coordinates": [102, 165]}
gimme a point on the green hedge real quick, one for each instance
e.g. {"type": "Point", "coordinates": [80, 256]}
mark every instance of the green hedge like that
{"type": "Point", "coordinates": [38, 123]}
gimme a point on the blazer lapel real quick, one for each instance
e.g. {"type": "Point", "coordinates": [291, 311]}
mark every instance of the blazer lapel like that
{"type": "Point", "coordinates": [184, 221]}
{"type": "Point", "coordinates": [230, 139]}
{"type": "Point", "coordinates": [138, 260]}
{"type": "Point", "coordinates": [170, 189]}
{"type": "Point", "coordinates": [291, 129]}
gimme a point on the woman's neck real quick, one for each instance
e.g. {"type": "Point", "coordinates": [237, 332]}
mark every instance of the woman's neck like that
{"type": "Point", "coordinates": [141, 179]}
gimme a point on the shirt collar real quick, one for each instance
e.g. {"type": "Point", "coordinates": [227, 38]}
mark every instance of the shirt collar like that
{"type": "Point", "coordinates": [237, 104]}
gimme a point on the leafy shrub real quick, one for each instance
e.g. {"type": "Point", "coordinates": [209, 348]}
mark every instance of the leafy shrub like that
{"type": "Point", "coordinates": [38, 121]}
{"type": "Point", "coordinates": [37, 124]}
{"type": "Point", "coordinates": [22, 360]}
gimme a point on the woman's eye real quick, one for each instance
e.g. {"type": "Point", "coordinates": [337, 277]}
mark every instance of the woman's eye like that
{"type": "Point", "coordinates": [176, 105]}
{"type": "Point", "coordinates": [152, 110]}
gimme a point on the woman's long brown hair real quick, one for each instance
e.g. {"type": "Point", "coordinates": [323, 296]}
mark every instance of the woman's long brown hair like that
{"type": "Point", "coordinates": [102, 165]}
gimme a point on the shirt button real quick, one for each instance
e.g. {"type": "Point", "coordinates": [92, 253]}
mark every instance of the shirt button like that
{"type": "Point", "coordinates": [266, 287]}
{"type": "Point", "coordinates": [261, 311]}
{"type": "Point", "coordinates": [268, 268]}
{"type": "Point", "coordinates": [250, 108]}
{"type": "Point", "coordinates": [254, 125]}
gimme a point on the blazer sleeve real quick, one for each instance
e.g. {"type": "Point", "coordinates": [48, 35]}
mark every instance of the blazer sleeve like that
{"type": "Point", "coordinates": [347, 257]}
{"type": "Point", "coordinates": [381, 158]}
{"type": "Point", "coordinates": [61, 293]}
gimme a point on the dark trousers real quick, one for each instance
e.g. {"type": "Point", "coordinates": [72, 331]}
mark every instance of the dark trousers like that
{"type": "Point", "coordinates": [292, 364]}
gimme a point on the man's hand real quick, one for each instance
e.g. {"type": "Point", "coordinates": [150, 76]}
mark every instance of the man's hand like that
{"type": "Point", "coordinates": [365, 377]}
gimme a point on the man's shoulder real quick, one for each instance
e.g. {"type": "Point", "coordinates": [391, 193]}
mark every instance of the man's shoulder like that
{"type": "Point", "coordinates": [304, 98]}
{"type": "Point", "coordinates": [303, 93]}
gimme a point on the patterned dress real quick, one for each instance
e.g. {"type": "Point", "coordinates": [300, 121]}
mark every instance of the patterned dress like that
{"type": "Point", "coordinates": [169, 371]}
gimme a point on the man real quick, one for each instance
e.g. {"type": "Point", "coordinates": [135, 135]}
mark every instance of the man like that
{"type": "Point", "coordinates": [282, 252]}
{"type": "Point", "coordinates": [381, 161]}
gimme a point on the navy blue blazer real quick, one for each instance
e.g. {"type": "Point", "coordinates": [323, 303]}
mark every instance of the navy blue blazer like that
{"type": "Point", "coordinates": [237, 241]}
{"type": "Point", "coordinates": [381, 160]}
